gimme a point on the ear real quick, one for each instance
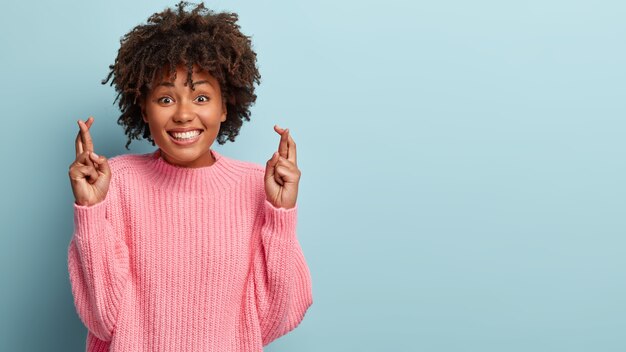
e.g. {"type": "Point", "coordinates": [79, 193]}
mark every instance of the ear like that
{"type": "Point", "coordinates": [142, 107]}
{"type": "Point", "coordinates": [224, 112]}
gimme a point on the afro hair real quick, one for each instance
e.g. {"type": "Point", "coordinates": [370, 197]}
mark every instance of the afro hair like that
{"type": "Point", "coordinates": [176, 37]}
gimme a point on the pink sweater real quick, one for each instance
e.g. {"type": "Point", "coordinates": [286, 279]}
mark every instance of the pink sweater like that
{"type": "Point", "coordinates": [186, 259]}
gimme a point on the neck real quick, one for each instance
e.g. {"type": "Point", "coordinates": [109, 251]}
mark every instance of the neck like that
{"type": "Point", "coordinates": [203, 163]}
{"type": "Point", "coordinates": [193, 181]}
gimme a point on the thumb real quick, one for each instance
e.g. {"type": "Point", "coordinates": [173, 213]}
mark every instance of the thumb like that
{"type": "Point", "coordinates": [269, 167]}
{"type": "Point", "coordinates": [104, 166]}
{"type": "Point", "coordinates": [103, 163]}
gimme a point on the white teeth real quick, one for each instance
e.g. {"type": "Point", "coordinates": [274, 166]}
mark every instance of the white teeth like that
{"type": "Point", "coordinates": [185, 135]}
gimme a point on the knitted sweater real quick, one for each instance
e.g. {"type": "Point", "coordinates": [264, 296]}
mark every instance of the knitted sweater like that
{"type": "Point", "coordinates": [186, 259]}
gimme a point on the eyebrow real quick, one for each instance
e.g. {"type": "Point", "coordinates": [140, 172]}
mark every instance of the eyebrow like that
{"type": "Point", "coordinates": [193, 84]}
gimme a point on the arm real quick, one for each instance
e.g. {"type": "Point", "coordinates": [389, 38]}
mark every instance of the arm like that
{"type": "Point", "coordinates": [282, 281]}
{"type": "Point", "coordinates": [98, 267]}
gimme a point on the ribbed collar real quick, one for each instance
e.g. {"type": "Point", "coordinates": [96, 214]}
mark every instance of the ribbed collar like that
{"type": "Point", "coordinates": [195, 181]}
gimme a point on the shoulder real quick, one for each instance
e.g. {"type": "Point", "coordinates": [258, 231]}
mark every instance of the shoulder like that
{"type": "Point", "coordinates": [125, 165]}
{"type": "Point", "coordinates": [247, 169]}
{"type": "Point", "coordinates": [248, 175]}
{"type": "Point", "coordinates": [127, 161]}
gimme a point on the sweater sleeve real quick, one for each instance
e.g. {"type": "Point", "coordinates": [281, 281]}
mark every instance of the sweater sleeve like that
{"type": "Point", "coordinates": [282, 280]}
{"type": "Point", "coordinates": [98, 264]}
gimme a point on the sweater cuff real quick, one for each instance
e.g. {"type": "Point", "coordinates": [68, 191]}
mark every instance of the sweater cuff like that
{"type": "Point", "coordinates": [280, 222]}
{"type": "Point", "coordinates": [90, 219]}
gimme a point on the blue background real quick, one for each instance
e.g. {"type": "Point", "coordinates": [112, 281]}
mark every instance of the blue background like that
{"type": "Point", "coordinates": [462, 166]}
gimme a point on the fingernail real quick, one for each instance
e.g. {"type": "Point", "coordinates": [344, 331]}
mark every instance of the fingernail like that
{"type": "Point", "coordinates": [95, 155]}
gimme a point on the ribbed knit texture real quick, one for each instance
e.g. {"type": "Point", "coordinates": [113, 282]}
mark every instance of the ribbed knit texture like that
{"type": "Point", "coordinates": [186, 259]}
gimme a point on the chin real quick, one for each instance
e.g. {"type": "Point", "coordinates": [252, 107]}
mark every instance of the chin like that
{"type": "Point", "coordinates": [178, 155]}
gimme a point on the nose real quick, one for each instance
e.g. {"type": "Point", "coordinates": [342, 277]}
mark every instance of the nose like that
{"type": "Point", "coordinates": [184, 113]}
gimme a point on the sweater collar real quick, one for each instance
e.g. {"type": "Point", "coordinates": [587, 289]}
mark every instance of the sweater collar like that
{"type": "Point", "coordinates": [192, 180]}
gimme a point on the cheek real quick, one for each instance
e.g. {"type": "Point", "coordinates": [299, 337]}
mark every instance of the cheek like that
{"type": "Point", "coordinates": [155, 126]}
{"type": "Point", "coordinates": [153, 115]}
{"type": "Point", "coordinates": [212, 116]}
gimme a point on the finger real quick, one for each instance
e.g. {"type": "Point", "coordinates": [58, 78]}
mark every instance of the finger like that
{"type": "Point", "coordinates": [78, 142]}
{"type": "Point", "coordinates": [291, 155]}
{"type": "Point", "coordinates": [90, 173]}
{"type": "Point", "coordinates": [292, 171]}
{"type": "Point", "coordinates": [93, 177]}
{"type": "Point", "coordinates": [285, 162]}
{"type": "Point", "coordinates": [277, 177]}
{"type": "Point", "coordinates": [103, 165]}
{"type": "Point", "coordinates": [95, 158]}
{"type": "Point", "coordinates": [88, 141]}
{"type": "Point", "coordinates": [269, 166]}
{"type": "Point", "coordinates": [79, 145]}
{"type": "Point", "coordinates": [272, 162]}
{"type": "Point", "coordinates": [90, 159]}
{"type": "Point", "coordinates": [76, 172]}
{"type": "Point", "coordinates": [284, 174]}
{"type": "Point", "coordinates": [282, 145]}
{"type": "Point", "coordinates": [89, 122]}
{"type": "Point", "coordinates": [85, 136]}
{"type": "Point", "coordinates": [85, 159]}
{"type": "Point", "coordinates": [100, 163]}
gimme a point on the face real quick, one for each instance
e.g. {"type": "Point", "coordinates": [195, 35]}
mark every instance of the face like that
{"type": "Point", "coordinates": [184, 122]}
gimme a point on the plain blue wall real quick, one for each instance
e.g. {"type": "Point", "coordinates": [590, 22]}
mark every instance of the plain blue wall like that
{"type": "Point", "coordinates": [462, 166]}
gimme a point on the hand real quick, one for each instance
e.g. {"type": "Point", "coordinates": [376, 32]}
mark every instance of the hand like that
{"type": "Point", "coordinates": [90, 174]}
{"type": "Point", "coordinates": [282, 174]}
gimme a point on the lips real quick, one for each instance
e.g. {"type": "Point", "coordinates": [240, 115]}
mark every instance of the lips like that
{"type": "Point", "coordinates": [185, 138]}
{"type": "Point", "coordinates": [184, 135]}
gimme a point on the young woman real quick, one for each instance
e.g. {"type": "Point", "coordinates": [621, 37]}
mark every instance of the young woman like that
{"type": "Point", "coordinates": [185, 249]}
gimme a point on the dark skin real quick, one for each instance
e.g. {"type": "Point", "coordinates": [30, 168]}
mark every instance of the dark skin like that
{"type": "Point", "coordinates": [90, 174]}
{"type": "Point", "coordinates": [180, 36]}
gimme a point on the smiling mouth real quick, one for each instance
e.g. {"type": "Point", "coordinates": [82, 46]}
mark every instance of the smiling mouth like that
{"type": "Point", "coordinates": [185, 136]}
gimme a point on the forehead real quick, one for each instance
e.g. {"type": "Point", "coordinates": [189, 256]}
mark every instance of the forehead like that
{"type": "Point", "coordinates": [181, 76]}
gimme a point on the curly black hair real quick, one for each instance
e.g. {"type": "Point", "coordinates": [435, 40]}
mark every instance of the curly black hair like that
{"type": "Point", "coordinates": [177, 37]}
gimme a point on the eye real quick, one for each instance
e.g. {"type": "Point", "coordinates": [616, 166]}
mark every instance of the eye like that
{"type": "Point", "coordinates": [165, 100]}
{"type": "Point", "coordinates": [202, 99]}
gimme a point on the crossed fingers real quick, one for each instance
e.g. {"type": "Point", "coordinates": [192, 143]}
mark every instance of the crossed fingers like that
{"type": "Point", "coordinates": [286, 145]}
{"type": "Point", "coordinates": [83, 138]}
{"type": "Point", "coordinates": [84, 143]}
